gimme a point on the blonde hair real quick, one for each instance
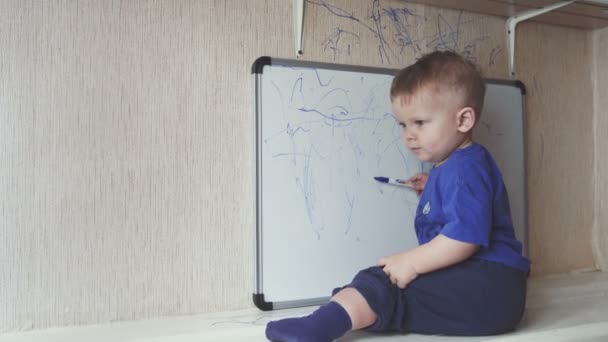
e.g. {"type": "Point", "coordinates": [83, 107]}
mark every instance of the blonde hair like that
{"type": "Point", "coordinates": [443, 70]}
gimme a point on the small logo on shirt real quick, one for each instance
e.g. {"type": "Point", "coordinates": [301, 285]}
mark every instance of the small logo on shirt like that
{"type": "Point", "coordinates": [427, 208]}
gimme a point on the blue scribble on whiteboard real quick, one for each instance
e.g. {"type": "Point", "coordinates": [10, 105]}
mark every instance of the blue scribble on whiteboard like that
{"type": "Point", "coordinates": [350, 203]}
{"type": "Point", "coordinates": [325, 142]}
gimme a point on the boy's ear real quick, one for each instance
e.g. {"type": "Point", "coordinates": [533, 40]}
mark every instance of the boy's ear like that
{"type": "Point", "coordinates": [466, 119]}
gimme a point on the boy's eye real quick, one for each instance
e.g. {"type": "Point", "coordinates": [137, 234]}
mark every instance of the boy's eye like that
{"type": "Point", "coordinates": [419, 122]}
{"type": "Point", "coordinates": [401, 124]}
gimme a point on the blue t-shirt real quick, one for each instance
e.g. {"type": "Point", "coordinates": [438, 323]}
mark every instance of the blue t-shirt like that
{"type": "Point", "coordinates": [465, 199]}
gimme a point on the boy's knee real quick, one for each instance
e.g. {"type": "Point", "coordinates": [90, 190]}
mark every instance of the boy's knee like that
{"type": "Point", "coordinates": [377, 289]}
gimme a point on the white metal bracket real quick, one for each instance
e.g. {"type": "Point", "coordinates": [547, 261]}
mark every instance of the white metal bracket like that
{"type": "Point", "coordinates": [516, 19]}
{"type": "Point", "coordinates": [298, 23]}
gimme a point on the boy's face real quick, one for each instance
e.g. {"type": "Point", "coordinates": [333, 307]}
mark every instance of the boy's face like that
{"type": "Point", "coordinates": [433, 124]}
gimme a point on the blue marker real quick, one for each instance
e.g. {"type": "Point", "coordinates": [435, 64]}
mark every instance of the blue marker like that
{"type": "Point", "coordinates": [394, 181]}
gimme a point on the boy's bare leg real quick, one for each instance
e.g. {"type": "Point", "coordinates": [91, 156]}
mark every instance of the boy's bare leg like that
{"type": "Point", "coordinates": [359, 311]}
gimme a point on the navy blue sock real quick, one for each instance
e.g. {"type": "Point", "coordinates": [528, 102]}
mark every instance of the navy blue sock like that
{"type": "Point", "coordinates": [327, 323]}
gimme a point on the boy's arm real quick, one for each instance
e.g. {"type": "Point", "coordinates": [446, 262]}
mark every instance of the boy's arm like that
{"type": "Point", "coordinates": [438, 253]}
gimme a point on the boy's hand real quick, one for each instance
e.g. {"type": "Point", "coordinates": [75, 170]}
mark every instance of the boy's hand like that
{"type": "Point", "coordinates": [418, 182]}
{"type": "Point", "coordinates": [398, 269]}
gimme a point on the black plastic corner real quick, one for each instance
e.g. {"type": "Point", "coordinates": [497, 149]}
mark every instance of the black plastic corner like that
{"type": "Point", "coordinates": [258, 300]}
{"type": "Point", "coordinates": [521, 86]}
{"type": "Point", "coordinates": [258, 65]}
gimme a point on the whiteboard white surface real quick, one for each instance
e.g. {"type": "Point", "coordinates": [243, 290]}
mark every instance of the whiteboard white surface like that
{"type": "Point", "coordinates": [323, 133]}
{"type": "Point", "coordinates": [501, 129]}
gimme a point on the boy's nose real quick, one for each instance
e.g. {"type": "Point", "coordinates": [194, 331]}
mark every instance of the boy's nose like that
{"type": "Point", "coordinates": [408, 136]}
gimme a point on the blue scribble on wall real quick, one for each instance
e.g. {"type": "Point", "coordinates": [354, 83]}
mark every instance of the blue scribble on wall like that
{"type": "Point", "coordinates": [397, 29]}
{"type": "Point", "coordinates": [340, 42]}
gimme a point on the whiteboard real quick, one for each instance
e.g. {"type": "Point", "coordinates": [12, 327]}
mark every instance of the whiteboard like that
{"type": "Point", "coordinates": [323, 132]}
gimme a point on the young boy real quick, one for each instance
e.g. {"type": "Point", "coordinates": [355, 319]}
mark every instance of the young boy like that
{"type": "Point", "coordinates": [468, 276]}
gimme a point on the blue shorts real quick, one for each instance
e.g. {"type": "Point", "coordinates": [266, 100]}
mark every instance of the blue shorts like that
{"type": "Point", "coordinates": [472, 298]}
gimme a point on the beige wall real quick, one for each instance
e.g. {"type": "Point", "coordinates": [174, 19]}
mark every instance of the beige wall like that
{"type": "Point", "coordinates": [600, 233]}
{"type": "Point", "coordinates": [124, 125]}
